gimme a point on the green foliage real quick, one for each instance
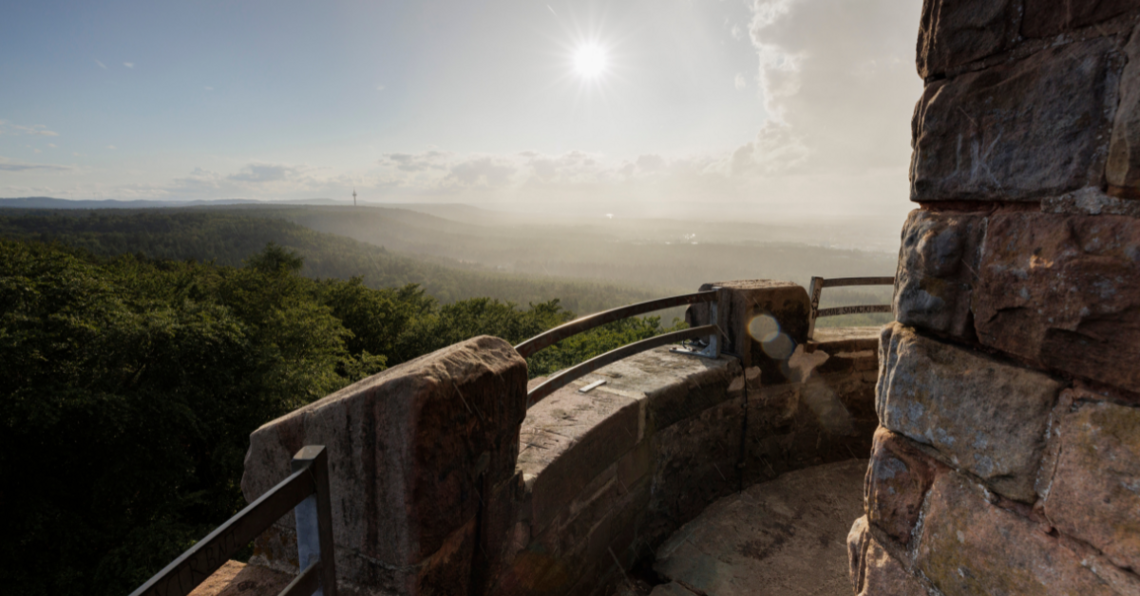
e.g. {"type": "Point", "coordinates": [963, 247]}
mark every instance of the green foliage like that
{"type": "Point", "coordinates": [131, 387]}
{"type": "Point", "coordinates": [231, 237]}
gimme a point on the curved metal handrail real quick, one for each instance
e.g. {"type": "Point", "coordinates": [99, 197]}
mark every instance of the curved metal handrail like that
{"type": "Point", "coordinates": [561, 332]}
{"type": "Point", "coordinates": [819, 283]}
{"type": "Point", "coordinates": [567, 376]}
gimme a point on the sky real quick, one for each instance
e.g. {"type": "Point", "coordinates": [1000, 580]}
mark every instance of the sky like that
{"type": "Point", "coordinates": [715, 109]}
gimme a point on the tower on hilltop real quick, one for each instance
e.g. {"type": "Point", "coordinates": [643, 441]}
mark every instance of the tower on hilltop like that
{"type": "Point", "coordinates": [354, 197]}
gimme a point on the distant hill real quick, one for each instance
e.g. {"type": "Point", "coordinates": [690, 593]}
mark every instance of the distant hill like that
{"type": "Point", "coordinates": [53, 203]}
{"type": "Point", "coordinates": [231, 236]}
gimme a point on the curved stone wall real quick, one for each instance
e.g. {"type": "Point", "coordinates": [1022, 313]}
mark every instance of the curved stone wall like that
{"type": "Point", "coordinates": [443, 483]}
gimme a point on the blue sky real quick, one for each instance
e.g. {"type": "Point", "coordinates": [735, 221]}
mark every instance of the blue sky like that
{"type": "Point", "coordinates": [468, 101]}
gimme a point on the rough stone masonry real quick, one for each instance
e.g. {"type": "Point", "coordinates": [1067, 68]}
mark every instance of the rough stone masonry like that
{"type": "Point", "coordinates": [1008, 455]}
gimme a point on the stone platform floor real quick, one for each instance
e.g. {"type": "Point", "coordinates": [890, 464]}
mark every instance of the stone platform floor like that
{"type": "Point", "coordinates": [786, 537]}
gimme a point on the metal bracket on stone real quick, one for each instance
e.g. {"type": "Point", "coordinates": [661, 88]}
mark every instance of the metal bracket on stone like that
{"type": "Point", "coordinates": [710, 347]}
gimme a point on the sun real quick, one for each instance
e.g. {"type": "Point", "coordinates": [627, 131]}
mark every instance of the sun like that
{"type": "Point", "coordinates": [590, 60]}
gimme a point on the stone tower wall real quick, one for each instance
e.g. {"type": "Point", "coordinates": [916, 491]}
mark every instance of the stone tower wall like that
{"type": "Point", "coordinates": [1008, 455]}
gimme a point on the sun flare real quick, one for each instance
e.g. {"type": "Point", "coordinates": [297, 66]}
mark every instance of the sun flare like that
{"type": "Point", "coordinates": [590, 60]}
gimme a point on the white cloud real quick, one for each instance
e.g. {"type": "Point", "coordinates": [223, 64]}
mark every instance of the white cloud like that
{"type": "Point", "coordinates": [111, 147]}
{"type": "Point", "coordinates": [7, 165]}
{"type": "Point", "coordinates": [208, 88]}
{"type": "Point", "coordinates": [52, 145]}
{"type": "Point", "coordinates": [379, 87]}
{"type": "Point", "coordinates": [35, 130]}
{"type": "Point", "coordinates": [129, 64]}
{"type": "Point", "coordinates": [739, 81]}
{"type": "Point", "coordinates": [260, 173]}
{"type": "Point", "coordinates": [101, 65]}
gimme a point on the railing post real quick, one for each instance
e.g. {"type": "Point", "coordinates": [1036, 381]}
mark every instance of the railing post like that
{"type": "Point", "coordinates": [814, 291]}
{"type": "Point", "coordinates": [718, 315]}
{"type": "Point", "coordinates": [314, 519]}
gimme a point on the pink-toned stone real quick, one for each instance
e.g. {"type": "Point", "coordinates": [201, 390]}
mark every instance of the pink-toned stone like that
{"type": "Point", "coordinates": [897, 480]}
{"type": "Point", "coordinates": [1095, 489]}
{"type": "Point", "coordinates": [938, 263]}
{"type": "Point", "coordinates": [980, 415]}
{"type": "Point", "coordinates": [1020, 130]}
{"type": "Point", "coordinates": [1063, 291]}
{"type": "Point", "coordinates": [1123, 167]}
{"type": "Point", "coordinates": [970, 547]}
{"type": "Point", "coordinates": [956, 32]}
{"type": "Point", "coordinates": [874, 572]}
{"type": "Point", "coordinates": [1043, 18]}
{"type": "Point", "coordinates": [410, 451]}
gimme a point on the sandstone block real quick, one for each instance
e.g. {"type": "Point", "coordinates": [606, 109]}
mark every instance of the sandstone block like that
{"type": "Point", "coordinates": [1095, 489]}
{"type": "Point", "coordinates": [874, 572]}
{"type": "Point", "coordinates": [938, 265]}
{"type": "Point", "coordinates": [897, 480]}
{"type": "Point", "coordinates": [979, 414]}
{"type": "Point", "coordinates": [969, 547]}
{"type": "Point", "coordinates": [410, 450]}
{"type": "Point", "coordinates": [1123, 167]}
{"type": "Point", "coordinates": [956, 32]}
{"type": "Point", "coordinates": [766, 321]}
{"type": "Point", "coordinates": [1043, 18]}
{"type": "Point", "coordinates": [568, 439]}
{"type": "Point", "coordinates": [1063, 291]}
{"type": "Point", "coordinates": [1020, 130]}
{"type": "Point", "coordinates": [1091, 201]}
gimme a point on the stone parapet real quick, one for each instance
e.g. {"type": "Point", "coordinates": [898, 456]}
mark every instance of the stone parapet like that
{"type": "Point", "coordinates": [410, 452]}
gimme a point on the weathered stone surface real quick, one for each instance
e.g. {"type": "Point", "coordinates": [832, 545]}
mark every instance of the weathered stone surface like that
{"type": "Point", "coordinates": [1042, 18]}
{"type": "Point", "coordinates": [874, 572]}
{"type": "Point", "coordinates": [410, 451]}
{"type": "Point", "coordinates": [671, 589]}
{"type": "Point", "coordinates": [1123, 167]}
{"type": "Point", "coordinates": [980, 415]}
{"type": "Point", "coordinates": [1095, 489]}
{"type": "Point", "coordinates": [1063, 291]}
{"type": "Point", "coordinates": [1017, 131]}
{"type": "Point", "coordinates": [897, 480]}
{"type": "Point", "coordinates": [236, 578]}
{"type": "Point", "coordinates": [767, 320]}
{"type": "Point", "coordinates": [569, 438]}
{"type": "Point", "coordinates": [833, 340]}
{"type": "Point", "coordinates": [938, 264]}
{"type": "Point", "coordinates": [956, 32]}
{"type": "Point", "coordinates": [1091, 201]}
{"type": "Point", "coordinates": [970, 547]}
{"type": "Point", "coordinates": [696, 464]}
{"type": "Point", "coordinates": [787, 536]}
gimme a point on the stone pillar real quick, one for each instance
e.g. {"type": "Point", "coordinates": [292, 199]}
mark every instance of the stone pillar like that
{"type": "Point", "coordinates": [1008, 456]}
{"type": "Point", "coordinates": [421, 462]}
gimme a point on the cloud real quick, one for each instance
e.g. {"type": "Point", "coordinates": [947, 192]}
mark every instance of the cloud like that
{"type": "Point", "coordinates": [739, 81]}
{"type": "Point", "coordinates": [840, 75]}
{"type": "Point", "coordinates": [260, 173]}
{"type": "Point", "coordinates": [52, 145]}
{"type": "Point", "coordinates": [16, 166]}
{"type": "Point", "coordinates": [129, 64]}
{"type": "Point", "coordinates": [379, 87]}
{"type": "Point", "coordinates": [101, 65]}
{"type": "Point", "coordinates": [35, 130]}
{"type": "Point", "coordinates": [112, 147]}
{"type": "Point", "coordinates": [208, 88]}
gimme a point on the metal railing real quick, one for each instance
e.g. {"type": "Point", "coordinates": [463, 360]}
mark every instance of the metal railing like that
{"type": "Point", "coordinates": [716, 299]}
{"type": "Point", "coordinates": [819, 283]}
{"type": "Point", "coordinates": [306, 492]}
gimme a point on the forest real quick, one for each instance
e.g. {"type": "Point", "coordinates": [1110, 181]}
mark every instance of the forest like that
{"type": "Point", "coordinates": [132, 384]}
